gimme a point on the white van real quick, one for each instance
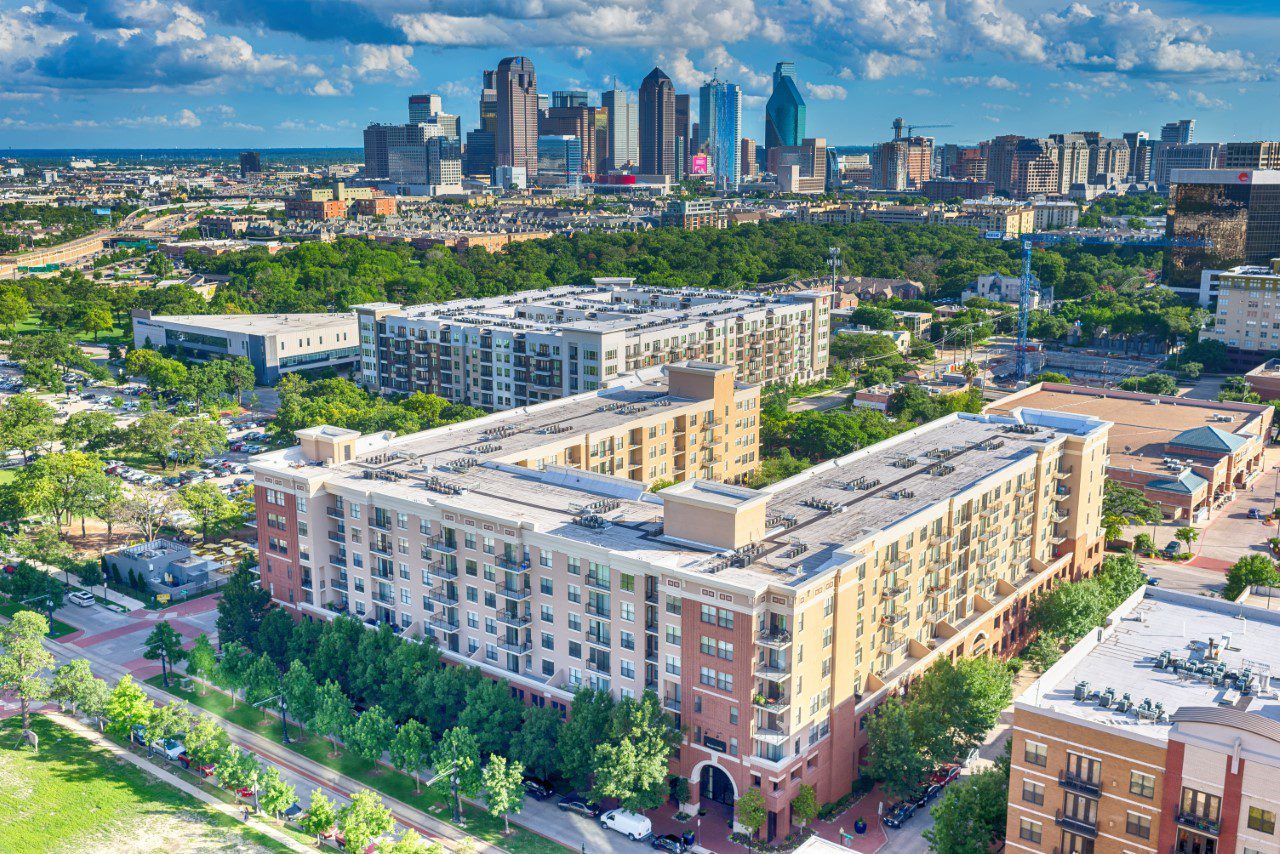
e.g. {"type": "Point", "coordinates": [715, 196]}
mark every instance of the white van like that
{"type": "Point", "coordinates": [631, 824]}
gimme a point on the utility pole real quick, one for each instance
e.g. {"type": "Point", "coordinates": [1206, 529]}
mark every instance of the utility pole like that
{"type": "Point", "coordinates": [833, 261]}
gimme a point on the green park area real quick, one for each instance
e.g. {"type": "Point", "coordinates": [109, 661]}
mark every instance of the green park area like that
{"type": "Point", "coordinates": [74, 796]}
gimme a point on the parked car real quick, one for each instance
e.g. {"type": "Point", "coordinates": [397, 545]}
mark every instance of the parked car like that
{"type": "Point", "coordinates": [245, 792]}
{"type": "Point", "coordinates": [1174, 547]}
{"type": "Point", "coordinates": [574, 802]}
{"type": "Point", "coordinates": [927, 793]}
{"type": "Point", "coordinates": [630, 824]}
{"type": "Point", "coordinates": [172, 748]}
{"type": "Point", "coordinates": [83, 598]}
{"type": "Point", "coordinates": [537, 789]}
{"type": "Point", "coordinates": [668, 842]}
{"type": "Point", "coordinates": [945, 774]}
{"type": "Point", "coordinates": [1254, 514]}
{"type": "Point", "coordinates": [897, 814]}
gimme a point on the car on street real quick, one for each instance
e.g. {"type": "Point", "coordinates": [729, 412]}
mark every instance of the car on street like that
{"type": "Point", "coordinates": [573, 802]}
{"type": "Point", "coordinates": [668, 842]}
{"type": "Point", "coordinates": [537, 789]}
{"type": "Point", "coordinates": [945, 774]}
{"type": "Point", "coordinates": [1173, 547]}
{"type": "Point", "coordinates": [1254, 514]}
{"type": "Point", "coordinates": [172, 748]}
{"type": "Point", "coordinates": [898, 813]}
{"type": "Point", "coordinates": [245, 792]}
{"type": "Point", "coordinates": [927, 793]}
{"type": "Point", "coordinates": [630, 824]}
{"type": "Point", "coordinates": [82, 598]}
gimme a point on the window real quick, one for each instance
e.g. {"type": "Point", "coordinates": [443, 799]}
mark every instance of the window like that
{"type": "Point", "coordinates": [1075, 844]}
{"type": "Point", "coordinates": [1033, 793]}
{"type": "Point", "coordinates": [1262, 820]}
{"type": "Point", "coordinates": [1030, 830]}
{"type": "Point", "coordinates": [1201, 804]}
{"type": "Point", "coordinates": [1084, 768]}
{"type": "Point", "coordinates": [1137, 824]}
{"type": "Point", "coordinates": [1035, 753]}
{"type": "Point", "coordinates": [1142, 785]}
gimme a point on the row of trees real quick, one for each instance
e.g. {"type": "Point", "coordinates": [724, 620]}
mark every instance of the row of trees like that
{"type": "Point", "coordinates": [1069, 611]}
{"type": "Point", "coordinates": [611, 749]}
{"type": "Point", "coordinates": [342, 403]}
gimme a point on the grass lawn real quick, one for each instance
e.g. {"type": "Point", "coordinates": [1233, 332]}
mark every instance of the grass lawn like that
{"type": "Point", "coordinates": [74, 796]}
{"type": "Point", "coordinates": [432, 800]}
{"type": "Point", "coordinates": [57, 628]}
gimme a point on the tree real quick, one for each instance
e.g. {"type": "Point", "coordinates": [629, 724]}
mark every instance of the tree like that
{"type": "Point", "coordinates": [26, 424]}
{"type": "Point", "coordinates": [1129, 504]}
{"type": "Point", "coordinates": [164, 645]}
{"type": "Point", "coordinates": [241, 609]}
{"type": "Point", "coordinates": [503, 788]}
{"type": "Point", "coordinates": [1118, 577]}
{"type": "Point", "coordinates": [274, 633]}
{"type": "Point", "coordinates": [206, 741]}
{"type": "Point", "coordinates": [1050, 377]}
{"type": "Point", "coordinates": [96, 320]}
{"type": "Point", "coordinates": [411, 750]}
{"type": "Point", "coordinates": [196, 438]}
{"type": "Point", "coordinates": [491, 714]}
{"type": "Point", "coordinates": [127, 707]}
{"type": "Point", "coordinates": [750, 811]}
{"type": "Point", "coordinates": [1151, 384]}
{"type": "Point", "coordinates": [207, 503]}
{"type": "Point", "coordinates": [1250, 571]}
{"type": "Point", "coordinates": [276, 794]}
{"type": "Point", "coordinates": [26, 584]}
{"type": "Point", "coordinates": [631, 764]}
{"type": "Point", "coordinates": [364, 820]}
{"type": "Point", "coordinates": [71, 683]}
{"type": "Point", "coordinates": [298, 689]}
{"type": "Point", "coordinates": [332, 713]}
{"type": "Point", "coordinates": [236, 659]}
{"type": "Point", "coordinates": [971, 816]}
{"type": "Point", "coordinates": [1069, 611]}
{"type": "Point", "coordinates": [1186, 535]}
{"type": "Point", "coordinates": [153, 435]}
{"type": "Point", "coordinates": [261, 682]}
{"type": "Point", "coordinates": [962, 701]}
{"type": "Point", "coordinates": [533, 744]}
{"type": "Point", "coordinates": [1043, 652]}
{"type": "Point", "coordinates": [147, 508]}
{"type": "Point", "coordinates": [588, 718]}
{"type": "Point", "coordinates": [159, 265]}
{"type": "Point", "coordinates": [1238, 388]}
{"type": "Point", "coordinates": [24, 659]}
{"type": "Point", "coordinates": [410, 842]}
{"type": "Point", "coordinates": [239, 375]}
{"type": "Point", "coordinates": [89, 431]}
{"type": "Point", "coordinates": [45, 544]}
{"type": "Point", "coordinates": [896, 758]}
{"type": "Point", "coordinates": [58, 485]}
{"type": "Point", "coordinates": [202, 661]}
{"type": "Point", "coordinates": [91, 575]}
{"type": "Point", "coordinates": [168, 722]}
{"type": "Point", "coordinates": [370, 735]}
{"type": "Point", "coordinates": [457, 757]}
{"type": "Point", "coordinates": [240, 770]}
{"type": "Point", "coordinates": [319, 817]}
{"type": "Point", "coordinates": [1144, 544]}
{"type": "Point", "coordinates": [804, 806]}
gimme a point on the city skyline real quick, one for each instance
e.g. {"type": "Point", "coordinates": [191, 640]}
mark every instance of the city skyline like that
{"type": "Point", "coordinates": [223, 73]}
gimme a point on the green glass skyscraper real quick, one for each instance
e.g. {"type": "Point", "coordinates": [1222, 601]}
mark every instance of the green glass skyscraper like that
{"type": "Point", "coordinates": [784, 114]}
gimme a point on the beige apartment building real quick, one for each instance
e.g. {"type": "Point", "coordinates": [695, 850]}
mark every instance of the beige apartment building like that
{"type": "Point", "coordinates": [1156, 733]}
{"type": "Point", "coordinates": [770, 621]}
{"type": "Point", "coordinates": [1248, 313]}
{"type": "Point", "coordinates": [511, 351]}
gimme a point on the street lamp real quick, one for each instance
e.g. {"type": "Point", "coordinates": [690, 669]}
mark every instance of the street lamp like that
{"type": "Point", "coordinates": [284, 720]}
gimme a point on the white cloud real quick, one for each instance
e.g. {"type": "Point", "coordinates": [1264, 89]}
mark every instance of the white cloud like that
{"type": "Point", "coordinates": [325, 89]}
{"type": "Point", "coordinates": [994, 81]}
{"type": "Point", "coordinates": [381, 62]}
{"type": "Point", "coordinates": [826, 91]}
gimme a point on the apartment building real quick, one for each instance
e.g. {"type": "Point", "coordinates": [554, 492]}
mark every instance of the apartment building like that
{"type": "Point", "coordinates": [771, 622]}
{"type": "Point", "coordinates": [1189, 457]}
{"type": "Point", "coordinates": [509, 351]}
{"type": "Point", "coordinates": [1156, 733]}
{"type": "Point", "coordinates": [1248, 312]}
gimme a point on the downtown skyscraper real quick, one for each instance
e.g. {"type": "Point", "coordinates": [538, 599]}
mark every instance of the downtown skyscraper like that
{"type": "Point", "coordinates": [624, 129]}
{"type": "Point", "coordinates": [784, 114]}
{"type": "Point", "coordinates": [657, 125]}
{"type": "Point", "coordinates": [516, 137]}
{"type": "Point", "coordinates": [720, 122]}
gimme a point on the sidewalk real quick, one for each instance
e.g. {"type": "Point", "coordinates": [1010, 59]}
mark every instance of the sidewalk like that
{"type": "Point", "coordinates": [126, 602]}
{"type": "Point", "coordinates": [229, 810]}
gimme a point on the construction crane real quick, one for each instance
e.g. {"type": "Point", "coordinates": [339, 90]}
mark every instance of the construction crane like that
{"type": "Point", "coordinates": [1030, 241]}
{"type": "Point", "coordinates": [899, 124]}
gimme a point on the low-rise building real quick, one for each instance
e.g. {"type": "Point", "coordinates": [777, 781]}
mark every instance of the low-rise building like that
{"type": "Point", "coordinates": [1247, 318]}
{"type": "Point", "coordinates": [694, 213]}
{"type": "Point", "coordinates": [1265, 380]}
{"type": "Point", "coordinates": [275, 344]}
{"type": "Point", "coordinates": [164, 566]}
{"type": "Point", "coordinates": [1155, 733]}
{"type": "Point", "coordinates": [1188, 456]}
{"type": "Point", "coordinates": [998, 287]}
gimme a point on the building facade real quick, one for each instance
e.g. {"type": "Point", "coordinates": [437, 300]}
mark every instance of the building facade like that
{"type": "Point", "coordinates": [623, 128]}
{"type": "Point", "coordinates": [770, 622]}
{"type": "Point", "coordinates": [1250, 155]}
{"type": "Point", "coordinates": [720, 120]}
{"type": "Point", "coordinates": [576, 120]}
{"type": "Point", "coordinates": [657, 125]}
{"type": "Point", "coordinates": [516, 130]}
{"type": "Point", "coordinates": [784, 113]}
{"type": "Point", "coordinates": [1237, 211]}
{"type": "Point", "coordinates": [510, 351]}
{"type": "Point", "coordinates": [1247, 317]}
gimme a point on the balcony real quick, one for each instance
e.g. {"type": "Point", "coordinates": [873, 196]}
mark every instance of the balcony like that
{"type": "Point", "coordinates": [1061, 493]}
{"type": "Point", "coordinates": [380, 524]}
{"type": "Point", "coordinates": [512, 565]}
{"type": "Point", "coordinates": [443, 597]}
{"type": "Point", "coordinates": [383, 549]}
{"type": "Point", "coordinates": [1062, 474]}
{"type": "Point", "coordinates": [671, 704]}
{"type": "Point", "coordinates": [439, 570]}
{"type": "Point", "coordinates": [442, 623]}
{"type": "Point", "coordinates": [777, 705]}
{"type": "Point", "coordinates": [600, 639]}
{"type": "Point", "coordinates": [596, 583]}
{"type": "Point", "coordinates": [1059, 517]}
{"type": "Point", "coordinates": [893, 647]}
{"type": "Point", "coordinates": [892, 619]}
{"type": "Point", "coordinates": [1079, 826]}
{"type": "Point", "coordinates": [598, 667]}
{"type": "Point", "coordinates": [336, 537]}
{"type": "Point", "coordinates": [774, 638]}
{"type": "Point", "coordinates": [338, 560]}
{"type": "Point", "coordinates": [772, 672]}
{"type": "Point", "coordinates": [895, 592]}
{"type": "Point", "coordinates": [596, 611]}
{"type": "Point", "coordinates": [514, 620]}
{"type": "Point", "coordinates": [770, 735]}
{"type": "Point", "coordinates": [1198, 823]}
{"type": "Point", "coordinates": [515, 594]}
{"type": "Point", "coordinates": [338, 584]}
{"type": "Point", "coordinates": [1076, 783]}
{"type": "Point", "coordinates": [515, 648]}
{"type": "Point", "coordinates": [382, 599]}
{"type": "Point", "coordinates": [442, 546]}
{"type": "Point", "coordinates": [334, 512]}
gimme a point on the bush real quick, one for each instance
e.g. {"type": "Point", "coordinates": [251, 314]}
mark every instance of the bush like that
{"type": "Point", "coordinates": [1249, 571]}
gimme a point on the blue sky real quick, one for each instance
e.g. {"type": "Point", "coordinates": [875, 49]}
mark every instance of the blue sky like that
{"type": "Point", "coordinates": [271, 73]}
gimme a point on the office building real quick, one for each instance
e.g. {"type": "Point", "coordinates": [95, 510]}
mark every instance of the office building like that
{"type": "Point", "coordinates": [275, 344]}
{"type": "Point", "coordinates": [1073, 160]}
{"type": "Point", "coordinates": [568, 98]}
{"type": "Point", "coordinates": [250, 163]}
{"type": "Point", "coordinates": [1247, 317]}
{"type": "Point", "coordinates": [1166, 157]}
{"type": "Point", "coordinates": [1035, 169]}
{"type": "Point", "coordinates": [1250, 155]}
{"type": "Point", "coordinates": [480, 155]}
{"type": "Point", "coordinates": [1189, 457]}
{"type": "Point", "coordinates": [516, 134]}
{"type": "Point", "coordinates": [657, 126]}
{"type": "Point", "coordinates": [1181, 132]}
{"type": "Point", "coordinates": [417, 159]}
{"type": "Point", "coordinates": [578, 121]}
{"type": "Point", "coordinates": [489, 102]}
{"type": "Point", "coordinates": [560, 160]}
{"type": "Point", "coordinates": [509, 351]}
{"type": "Point", "coordinates": [693, 213]}
{"type": "Point", "coordinates": [1108, 161]}
{"type": "Point", "coordinates": [1139, 145]}
{"type": "Point", "coordinates": [800, 168]}
{"type": "Point", "coordinates": [720, 121]}
{"type": "Point", "coordinates": [784, 113]}
{"type": "Point", "coordinates": [687, 142]}
{"type": "Point", "coordinates": [901, 164]}
{"type": "Point", "coordinates": [624, 129]}
{"type": "Point", "coordinates": [1000, 162]}
{"type": "Point", "coordinates": [510, 178]}
{"type": "Point", "coordinates": [964, 162]}
{"type": "Point", "coordinates": [747, 158]}
{"type": "Point", "coordinates": [770, 622]}
{"type": "Point", "coordinates": [429, 110]}
{"type": "Point", "coordinates": [1156, 732]}
{"type": "Point", "coordinates": [947, 189]}
{"type": "Point", "coordinates": [1237, 210]}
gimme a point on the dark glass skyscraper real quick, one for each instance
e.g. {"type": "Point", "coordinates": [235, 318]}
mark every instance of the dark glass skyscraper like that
{"type": "Point", "coordinates": [784, 114]}
{"type": "Point", "coordinates": [1237, 210]}
{"type": "Point", "coordinates": [658, 125]}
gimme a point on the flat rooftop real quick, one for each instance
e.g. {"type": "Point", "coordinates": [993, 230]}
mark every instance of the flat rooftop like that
{"type": "Point", "coordinates": [259, 324]}
{"type": "Point", "coordinates": [816, 520]}
{"type": "Point", "coordinates": [1182, 624]}
{"type": "Point", "coordinates": [610, 305]}
{"type": "Point", "coordinates": [1140, 429]}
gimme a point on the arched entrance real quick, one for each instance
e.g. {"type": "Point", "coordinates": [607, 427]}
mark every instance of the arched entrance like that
{"type": "Point", "coordinates": [714, 784]}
